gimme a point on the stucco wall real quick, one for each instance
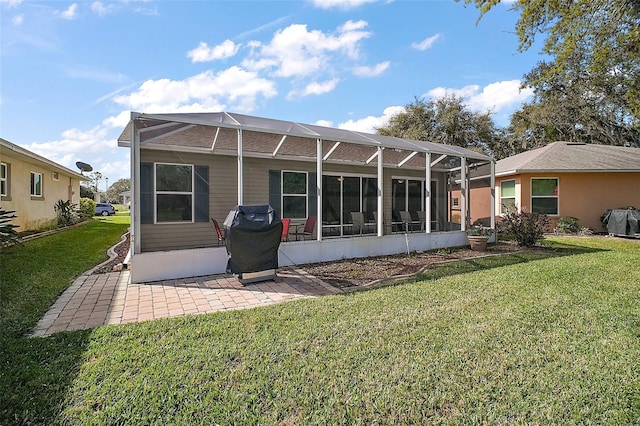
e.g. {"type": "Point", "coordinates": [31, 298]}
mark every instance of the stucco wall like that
{"type": "Point", "coordinates": [585, 196]}
{"type": "Point", "coordinates": [36, 212]}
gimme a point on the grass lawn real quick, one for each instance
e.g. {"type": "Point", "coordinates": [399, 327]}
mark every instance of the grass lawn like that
{"type": "Point", "coordinates": [522, 338]}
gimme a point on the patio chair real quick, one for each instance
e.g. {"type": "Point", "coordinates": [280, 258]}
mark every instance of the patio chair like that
{"type": "Point", "coordinates": [285, 229]}
{"type": "Point", "coordinates": [307, 231]}
{"type": "Point", "coordinates": [359, 224]}
{"type": "Point", "coordinates": [218, 232]}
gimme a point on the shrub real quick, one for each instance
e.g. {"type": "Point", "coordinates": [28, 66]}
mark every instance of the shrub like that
{"type": "Point", "coordinates": [87, 208]}
{"type": "Point", "coordinates": [8, 234]}
{"type": "Point", "coordinates": [66, 213]}
{"type": "Point", "coordinates": [568, 225]}
{"type": "Point", "coordinates": [526, 228]}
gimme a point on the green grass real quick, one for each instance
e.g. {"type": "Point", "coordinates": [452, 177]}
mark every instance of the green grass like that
{"type": "Point", "coordinates": [524, 338]}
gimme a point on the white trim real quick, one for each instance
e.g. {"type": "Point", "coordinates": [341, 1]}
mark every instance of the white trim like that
{"type": "Point", "coordinates": [557, 196]}
{"type": "Point", "coordinates": [4, 179]}
{"type": "Point", "coordinates": [156, 193]}
{"type": "Point", "coordinates": [31, 174]}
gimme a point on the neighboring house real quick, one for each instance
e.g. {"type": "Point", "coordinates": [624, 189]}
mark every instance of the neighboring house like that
{"type": "Point", "coordinates": [189, 168]}
{"type": "Point", "coordinates": [564, 179]}
{"type": "Point", "coordinates": [31, 185]}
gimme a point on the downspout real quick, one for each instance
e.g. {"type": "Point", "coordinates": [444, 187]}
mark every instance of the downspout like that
{"type": "Point", "coordinates": [427, 191]}
{"type": "Point", "coordinates": [380, 223]}
{"type": "Point", "coordinates": [319, 188]}
{"type": "Point", "coordinates": [135, 185]}
{"type": "Point", "coordinates": [240, 169]}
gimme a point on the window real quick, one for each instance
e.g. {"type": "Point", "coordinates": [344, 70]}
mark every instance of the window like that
{"type": "Point", "coordinates": [507, 196]}
{"type": "Point", "coordinates": [36, 184]}
{"type": "Point", "coordinates": [455, 202]}
{"type": "Point", "coordinates": [174, 192]}
{"type": "Point", "coordinates": [544, 195]}
{"type": "Point", "coordinates": [294, 195]}
{"type": "Point", "coordinates": [4, 180]}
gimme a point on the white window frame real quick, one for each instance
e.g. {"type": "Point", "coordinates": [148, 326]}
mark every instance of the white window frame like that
{"type": "Point", "coordinates": [33, 174]}
{"type": "Point", "coordinates": [156, 193]}
{"type": "Point", "coordinates": [515, 200]}
{"type": "Point", "coordinates": [305, 195]}
{"type": "Point", "coordinates": [556, 196]}
{"type": "Point", "coordinates": [4, 179]}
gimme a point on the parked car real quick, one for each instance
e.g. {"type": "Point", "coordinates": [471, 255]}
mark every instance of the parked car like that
{"type": "Point", "coordinates": [105, 209]}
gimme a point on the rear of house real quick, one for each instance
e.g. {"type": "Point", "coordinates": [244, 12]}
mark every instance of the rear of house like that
{"type": "Point", "coordinates": [190, 168]}
{"type": "Point", "coordinates": [31, 185]}
{"type": "Point", "coordinates": [570, 179]}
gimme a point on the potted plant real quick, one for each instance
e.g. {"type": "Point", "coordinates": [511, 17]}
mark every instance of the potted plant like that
{"type": "Point", "coordinates": [478, 236]}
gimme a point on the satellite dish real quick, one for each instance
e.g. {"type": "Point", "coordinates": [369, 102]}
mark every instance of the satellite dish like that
{"type": "Point", "coordinates": [84, 167]}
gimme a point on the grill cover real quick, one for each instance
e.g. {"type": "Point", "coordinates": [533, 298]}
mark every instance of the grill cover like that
{"type": "Point", "coordinates": [252, 238]}
{"type": "Point", "coordinates": [624, 222]}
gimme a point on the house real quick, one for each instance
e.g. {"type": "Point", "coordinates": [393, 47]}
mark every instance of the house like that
{"type": "Point", "coordinates": [371, 194]}
{"type": "Point", "coordinates": [564, 179]}
{"type": "Point", "coordinates": [31, 185]}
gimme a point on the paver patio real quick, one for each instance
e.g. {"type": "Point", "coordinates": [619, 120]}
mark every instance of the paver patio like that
{"type": "Point", "coordinates": [101, 299]}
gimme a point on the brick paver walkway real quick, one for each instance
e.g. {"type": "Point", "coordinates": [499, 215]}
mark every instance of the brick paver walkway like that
{"type": "Point", "coordinates": [95, 300]}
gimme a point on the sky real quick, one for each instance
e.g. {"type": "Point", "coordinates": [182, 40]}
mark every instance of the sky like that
{"type": "Point", "coordinates": [72, 72]}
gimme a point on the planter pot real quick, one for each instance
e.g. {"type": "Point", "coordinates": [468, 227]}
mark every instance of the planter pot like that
{"type": "Point", "coordinates": [478, 243]}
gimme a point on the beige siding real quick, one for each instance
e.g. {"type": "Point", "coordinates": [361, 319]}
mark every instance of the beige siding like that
{"type": "Point", "coordinates": [35, 212]}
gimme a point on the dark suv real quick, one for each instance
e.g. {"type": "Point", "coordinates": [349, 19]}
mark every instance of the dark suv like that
{"type": "Point", "coordinates": [105, 209]}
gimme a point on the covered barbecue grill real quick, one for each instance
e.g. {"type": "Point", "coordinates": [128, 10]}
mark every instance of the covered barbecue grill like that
{"type": "Point", "coordinates": [252, 238]}
{"type": "Point", "coordinates": [623, 222]}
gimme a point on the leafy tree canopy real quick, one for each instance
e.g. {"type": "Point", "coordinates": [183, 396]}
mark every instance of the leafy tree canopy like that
{"type": "Point", "coordinates": [444, 120]}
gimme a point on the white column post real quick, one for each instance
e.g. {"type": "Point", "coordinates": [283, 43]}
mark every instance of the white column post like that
{"type": "Point", "coordinates": [427, 190]}
{"type": "Point", "coordinates": [380, 223]}
{"type": "Point", "coordinates": [319, 188]}
{"type": "Point", "coordinates": [463, 193]}
{"type": "Point", "coordinates": [240, 170]}
{"type": "Point", "coordinates": [135, 185]}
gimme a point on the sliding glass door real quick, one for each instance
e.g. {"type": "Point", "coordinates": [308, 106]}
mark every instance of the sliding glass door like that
{"type": "Point", "coordinates": [344, 195]}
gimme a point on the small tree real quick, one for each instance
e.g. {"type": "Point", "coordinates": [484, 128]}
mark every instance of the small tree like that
{"type": "Point", "coordinates": [8, 234]}
{"type": "Point", "coordinates": [526, 228]}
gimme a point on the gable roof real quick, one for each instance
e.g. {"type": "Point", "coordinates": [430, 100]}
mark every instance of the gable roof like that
{"type": "Point", "coordinates": [175, 121]}
{"type": "Point", "coordinates": [26, 155]}
{"type": "Point", "coordinates": [572, 157]}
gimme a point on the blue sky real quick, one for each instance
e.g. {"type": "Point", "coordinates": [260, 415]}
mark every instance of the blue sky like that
{"type": "Point", "coordinates": [71, 72]}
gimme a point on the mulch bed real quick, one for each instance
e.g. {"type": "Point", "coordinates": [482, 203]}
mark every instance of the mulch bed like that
{"type": "Point", "coordinates": [121, 251]}
{"type": "Point", "coordinates": [360, 272]}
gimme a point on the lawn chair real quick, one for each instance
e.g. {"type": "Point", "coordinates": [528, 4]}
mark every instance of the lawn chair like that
{"type": "Point", "coordinates": [285, 229]}
{"type": "Point", "coordinates": [307, 231]}
{"type": "Point", "coordinates": [218, 232]}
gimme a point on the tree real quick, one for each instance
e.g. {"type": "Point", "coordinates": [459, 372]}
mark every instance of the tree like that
{"type": "Point", "coordinates": [445, 120]}
{"type": "Point", "coordinates": [117, 188]}
{"type": "Point", "coordinates": [601, 36]}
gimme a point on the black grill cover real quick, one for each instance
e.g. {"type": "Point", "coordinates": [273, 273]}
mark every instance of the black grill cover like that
{"type": "Point", "coordinates": [252, 238]}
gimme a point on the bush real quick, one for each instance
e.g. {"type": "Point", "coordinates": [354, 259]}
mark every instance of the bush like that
{"type": "Point", "coordinates": [568, 225]}
{"type": "Point", "coordinates": [526, 228]}
{"type": "Point", "coordinates": [87, 208]}
{"type": "Point", "coordinates": [66, 213]}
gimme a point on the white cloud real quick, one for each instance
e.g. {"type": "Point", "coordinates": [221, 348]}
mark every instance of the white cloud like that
{"type": "Point", "coordinates": [340, 4]}
{"type": "Point", "coordinates": [70, 13]}
{"type": "Point", "coordinates": [297, 52]}
{"type": "Point", "coordinates": [17, 20]}
{"type": "Point", "coordinates": [99, 8]}
{"type": "Point", "coordinates": [204, 53]}
{"type": "Point", "coordinates": [315, 88]}
{"type": "Point", "coordinates": [203, 92]}
{"type": "Point", "coordinates": [365, 71]}
{"type": "Point", "coordinates": [426, 43]}
{"type": "Point", "coordinates": [369, 124]}
{"type": "Point", "coordinates": [11, 3]}
{"type": "Point", "coordinates": [495, 97]}
{"type": "Point", "coordinates": [325, 123]}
